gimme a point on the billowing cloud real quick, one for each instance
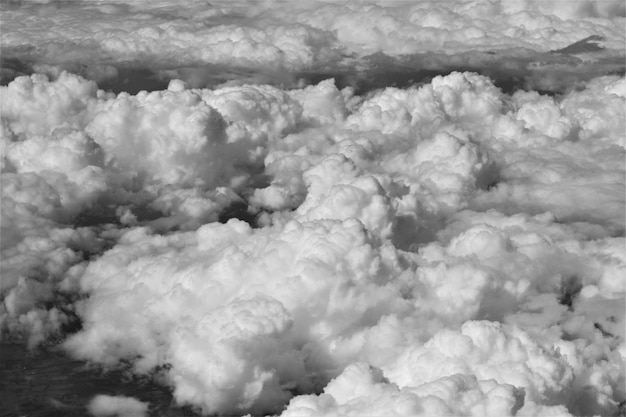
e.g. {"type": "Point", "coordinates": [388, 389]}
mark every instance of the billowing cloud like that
{"type": "Point", "coordinates": [349, 187]}
{"type": "Point", "coordinates": [125, 44]}
{"type": "Point", "coordinates": [283, 241]}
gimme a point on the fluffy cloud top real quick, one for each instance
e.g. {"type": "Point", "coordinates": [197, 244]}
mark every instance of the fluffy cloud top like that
{"type": "Point", "coordinates": [449, 248]}
{"type": "Point", "coordinates": [380, 245]}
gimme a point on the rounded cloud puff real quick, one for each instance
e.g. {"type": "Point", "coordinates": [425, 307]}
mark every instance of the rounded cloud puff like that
{"type": "Point", "coordinates": [35, 106]}
{"type": "Point", "coordinates": [361, 389]}
{"type": "Point", "coordinates": [488, 351]}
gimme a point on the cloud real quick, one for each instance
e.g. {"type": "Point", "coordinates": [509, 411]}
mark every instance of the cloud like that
{"type": "Point", "coordinates": [106, 405]}
{"type": "Point", "coordinates": [262, 238]}
{"type": "Point", "coordinates": [361, 389]}
{"type": "Point", "coordinates": [318, 269]}
{"type": "Point", "coordinates": [78, 166]}
{"type": "Point", "coordinates": [489, 352]}
{"type": "Point", "coordinates": [556, 179]}
{"type": "Point", "coordinates": [323, 285]}
{"type": "Point", "coordinates": [206, 43]}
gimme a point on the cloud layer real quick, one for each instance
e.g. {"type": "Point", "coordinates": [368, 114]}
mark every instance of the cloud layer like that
{"type": "Point", "coordinates": [445, 248]}
{"type": "Point", "coordinates": [385, 224]}
{"type": "Point", "coordinates": [548, 45]}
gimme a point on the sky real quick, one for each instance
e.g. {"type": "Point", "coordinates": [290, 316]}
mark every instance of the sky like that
{"type": "Point", "coordinates": [329, 208]}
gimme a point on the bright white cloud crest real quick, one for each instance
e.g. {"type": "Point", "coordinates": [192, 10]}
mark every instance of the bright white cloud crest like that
{"type": "Point", "coordinates": [448, 248]}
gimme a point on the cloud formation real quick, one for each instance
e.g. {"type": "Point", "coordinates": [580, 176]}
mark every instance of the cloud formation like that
{"type": "Point", "coordinates": [278, 42]}
{"type": "Point", "coordinates": [377, 226]}
{"type": "Point", "coordinates": [445, 248]}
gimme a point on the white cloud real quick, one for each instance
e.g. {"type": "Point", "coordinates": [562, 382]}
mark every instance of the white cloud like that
{"type": "Point", "coordinates": [447, 248]}
{"type": "Point", "coordinates": [107, 405]}
{"type": "Point", "coordinates": [361, 390]}
{"type": "Point", "coordinates": [323, 286]}
{"type": "Point", "coordinates": [322, 282]}
{"type": "Point", "coordinates": [297, 36]}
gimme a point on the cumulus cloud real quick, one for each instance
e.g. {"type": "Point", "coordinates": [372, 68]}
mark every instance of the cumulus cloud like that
{"type": "Point", "coordinates": [555, 172]}
{"type": "Point", "coordinates": [327, 281]}
{"type": "Point", "coordinates": [209, 43]}
{"type": "Point", "coordinates": [361, 389]}
{"type": "Point", "coordinates": [264, 334]}
{"type": "Point", "coordinates": [71, 158]}
{"type": "Point", "coordinates": [312, 247]}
